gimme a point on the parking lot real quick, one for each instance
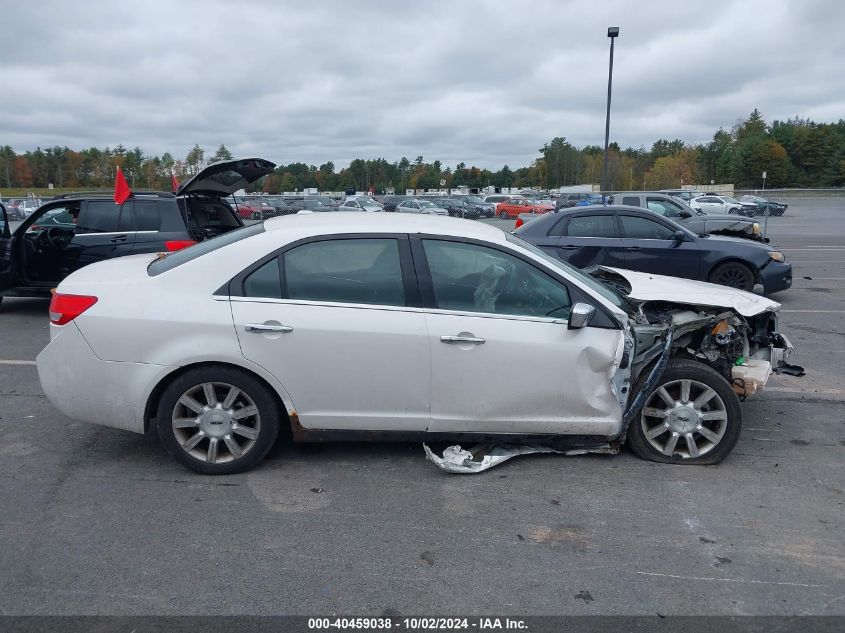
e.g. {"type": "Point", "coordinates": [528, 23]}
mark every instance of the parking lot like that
{"type": "Point", "coordinates": [101, 521]}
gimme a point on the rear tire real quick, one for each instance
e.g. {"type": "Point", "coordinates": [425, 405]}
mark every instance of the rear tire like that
{"type": "Point", "coordinates": [230, 422]}
{"type": "Point", "coordinates": [733, 275]}
{"type": "Point", "coordinates": [672, 428]}
{"type": "Point", "coordinates": [503, 215]}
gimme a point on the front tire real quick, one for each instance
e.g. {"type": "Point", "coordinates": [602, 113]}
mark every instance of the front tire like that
{"type": "Point", "coordinates": [693, 416]}
{"type": "Point", "coordinates": [733, 275]}
{"type": "Point", "coordinates": [218, 420]}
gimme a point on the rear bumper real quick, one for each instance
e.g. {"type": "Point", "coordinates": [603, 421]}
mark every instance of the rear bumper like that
{"type": "Point", "coordinates": [86, 388]}
{"type": "Point", "coordinates": [776, 276]}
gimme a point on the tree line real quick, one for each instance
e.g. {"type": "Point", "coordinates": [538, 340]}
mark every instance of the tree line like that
{"type": "Point", "coordinates": [794, 153]}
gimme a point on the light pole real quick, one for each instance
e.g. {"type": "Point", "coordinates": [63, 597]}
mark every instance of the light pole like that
{"type": "Point", "coordinates": [612, 33]}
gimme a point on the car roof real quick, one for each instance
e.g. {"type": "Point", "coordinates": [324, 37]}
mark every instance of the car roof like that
{"type": "Point", "coordinates": [338, 223]}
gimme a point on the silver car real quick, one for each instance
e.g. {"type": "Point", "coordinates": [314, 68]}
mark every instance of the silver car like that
{"type": "Point", "coordinates": [420, 206]}
{"type": "Point", "coordinates": [361, 203]}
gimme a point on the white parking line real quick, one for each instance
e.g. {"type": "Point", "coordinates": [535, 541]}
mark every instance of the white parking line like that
{"type": "Point", "coordinates": [17, 362]}
{"type": "Point", "coordinates": [817, 311]}
{"type": "Point", "coordinates": [815, 249]}
{"type": "Point", "coordinates": [817, 261]}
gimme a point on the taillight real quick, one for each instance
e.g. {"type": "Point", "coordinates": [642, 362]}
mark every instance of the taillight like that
{"type": "Point", "coordinates": [178, 245]}
{"type": "Point", "coordinates": [519, 223]}
{"type": "Point", "coordinates": [65, 308]}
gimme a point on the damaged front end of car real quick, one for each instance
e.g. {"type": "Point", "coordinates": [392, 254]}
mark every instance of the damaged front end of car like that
{"type": "Point", "coordinates": [742, 344]}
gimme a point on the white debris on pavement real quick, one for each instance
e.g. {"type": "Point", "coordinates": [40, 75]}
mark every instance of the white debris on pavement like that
{"type": "Point", "coordinates": [482, 457]}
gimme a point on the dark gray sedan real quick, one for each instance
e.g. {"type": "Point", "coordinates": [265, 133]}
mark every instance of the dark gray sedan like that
{"type": "Point", "coordinates": [696, 220]}
{"type": "Point", "coordinates": [629, 237]}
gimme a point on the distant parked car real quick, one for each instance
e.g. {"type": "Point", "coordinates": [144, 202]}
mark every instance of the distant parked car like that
{"type": "Point", "coordinates": [485, 209]}
{"type": "Point", "coordinates": [567, 200]}
{"type": "Point", "coordinates": [513, 208]}
{"type": "Point", "coordinates": [420, 206]}
{"type": "Point", "coordinates": [361, 203]}
{"type": "Point", "coordinates": [723, 204]}
{"type": "Point", "coordinates": [390, 202]}
{"type": "Point", "coordinates": [683, 194]}
{"type": "Point", "coordinates": [27, 206]}
{"type": "Point", "coordinates": [695, 220]}
{"type": "Point", "coordinates": [636, 239]}
{"type": "Point", "coordinates": [774, 208]}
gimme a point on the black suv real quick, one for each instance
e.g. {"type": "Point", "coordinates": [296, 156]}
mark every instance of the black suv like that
{"type": "Point", "coordinates": [74, 230]}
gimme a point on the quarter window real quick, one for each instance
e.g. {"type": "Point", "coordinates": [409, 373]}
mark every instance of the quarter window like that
{"type": "Point", "coordinates": [346, 271]}
{"type": "Point", "coordinates": [473, 278]}
{"type": "Point", "coordinates": [264, 281]}
{"type": "Point", "coordinates": [631, 201]}
{"type": "Point", "coordinates": [638, 228]}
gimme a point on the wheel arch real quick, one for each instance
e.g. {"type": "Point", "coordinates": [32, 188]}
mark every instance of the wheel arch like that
{"type": "Point", "coordinates": [733, 259]}
{"type": "Point", "coordinates": [280, 395]}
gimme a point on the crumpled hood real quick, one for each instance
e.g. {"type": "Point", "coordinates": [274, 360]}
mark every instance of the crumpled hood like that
{"type": "Point", "coordinates": [651, 287]}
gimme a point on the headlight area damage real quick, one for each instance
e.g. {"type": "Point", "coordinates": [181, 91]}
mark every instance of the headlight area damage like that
{"type": "Point", "coordinates": [739, 340]}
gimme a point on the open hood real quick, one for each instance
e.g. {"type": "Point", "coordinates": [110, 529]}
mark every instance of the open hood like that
{"type": "Point", "coordinates": [650, 287]}
{"type": "Point", "coordinates": [226, 177]}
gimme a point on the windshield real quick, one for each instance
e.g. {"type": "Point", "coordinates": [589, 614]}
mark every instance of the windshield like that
{"type": "Point", "coordinates": [728, 199]}
{"type": "Point", "coordinates": [595, 285]}
{"type": "Point", "coordinates": [425, 204]}
{"type": "Point", "coordinates": [474, 199]}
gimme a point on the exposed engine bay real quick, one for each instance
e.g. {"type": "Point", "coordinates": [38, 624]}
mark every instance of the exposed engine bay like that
{"type": "Point", "coordinates": [745, 350]}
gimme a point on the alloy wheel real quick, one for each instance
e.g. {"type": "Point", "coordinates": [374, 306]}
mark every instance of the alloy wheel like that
{"type": "Point", "coordinates": [684, 417]}
{"type": "Point", "coordinates": [215, 422]}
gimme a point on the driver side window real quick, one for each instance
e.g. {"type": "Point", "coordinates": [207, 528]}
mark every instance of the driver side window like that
{"type": "Point", "coordinates": [473, 278]}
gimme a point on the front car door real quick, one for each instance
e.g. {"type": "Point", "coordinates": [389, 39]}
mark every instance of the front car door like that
{"type": "Point", "coordinates": [7, 274]}
{"type": "Point", "coordinates": [502, 357]}
{"type": "Point", "coordinates": [338, 322]}
{"type": "Point", "coordinates": [650, 247]}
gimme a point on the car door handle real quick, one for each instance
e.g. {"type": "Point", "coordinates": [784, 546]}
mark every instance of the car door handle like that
{"type": "Point", "coordinates": [473, 340]}
{"type": "Point", "coordinates": [264, 327]}
{"type": "Point", "coordinates": [568, 247]}
{"type": "Point", "coordinates": [632, 248]}
{"type": "Point", "coordinates": [119, 238]}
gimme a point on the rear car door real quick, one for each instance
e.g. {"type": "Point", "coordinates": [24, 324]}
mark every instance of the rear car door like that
{"type": "Point", "coordinates": [157, 223]}
{"type": "Point", "coordinates": [502, 357]}
{"type": "Point", "coordinates": [650, 247]}
{"type": "Point", "coordinates": [338, 321]}
{"type": "Point", "coordinates": [103, 230]}
{"type": "Point", "coordinates": [590, 239]}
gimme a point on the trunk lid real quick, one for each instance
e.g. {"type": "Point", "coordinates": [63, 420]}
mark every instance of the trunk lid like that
{"type": "Point", "coordinates": [226, 177]}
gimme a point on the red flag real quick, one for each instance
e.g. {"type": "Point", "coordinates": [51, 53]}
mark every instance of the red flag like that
{"type": "Point", "coordinates": [174, 184]}
{"type": "Point", "coordinates": [121, 188]}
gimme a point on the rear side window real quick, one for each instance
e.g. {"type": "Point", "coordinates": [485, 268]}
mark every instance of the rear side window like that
{"type": "Point", "coordinates": [147, 215]}
{"type": "Point", "coordinates": [346, 271]}
{"type": "Point", "coordinates": [172, 260]}
{"type": "Point", "coordinates": [100, 216]}
{"type": "Point", "coordinates": [592, 226]}
{"type": "Point", "coordinates": [644, 229]}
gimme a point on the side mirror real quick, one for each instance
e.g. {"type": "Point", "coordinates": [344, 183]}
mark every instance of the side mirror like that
{"type": "Point", "coordinates": [679, 236]}
{"type": "Point", "coordinates": [683, 213]}
{"type": "Point", "coordinates": [580, 316]}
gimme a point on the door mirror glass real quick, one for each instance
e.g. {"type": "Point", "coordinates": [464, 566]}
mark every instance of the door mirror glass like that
{"type": "Point", "coordinates": [581, 315]}
{"type": "Point", "coordinates": [683, 213]}
{"type": "Point", "coordinates": [679, 236]}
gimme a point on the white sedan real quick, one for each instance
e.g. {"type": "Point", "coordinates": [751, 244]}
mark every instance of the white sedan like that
{"type": "Point", "coordinates": [390, 324]}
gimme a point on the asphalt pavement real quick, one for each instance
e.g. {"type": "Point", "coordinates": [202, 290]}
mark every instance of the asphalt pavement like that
{"type": "Point", "coordinates": [101, 521]}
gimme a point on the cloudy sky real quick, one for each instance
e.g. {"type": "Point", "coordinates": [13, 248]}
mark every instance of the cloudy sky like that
{"type": "Point", "coordinates": [484, 82]}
